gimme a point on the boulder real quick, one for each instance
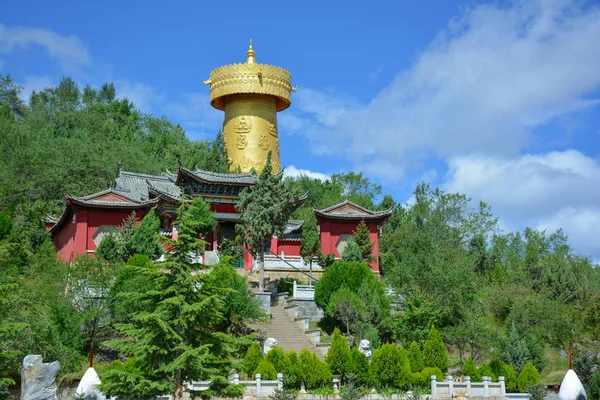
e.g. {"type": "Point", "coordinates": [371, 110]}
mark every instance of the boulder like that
{"type": "Point", "coordinates": [38, 379]}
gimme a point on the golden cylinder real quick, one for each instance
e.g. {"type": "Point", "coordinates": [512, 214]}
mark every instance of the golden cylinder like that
{"type": "Point", "coordinates": [250, 131]}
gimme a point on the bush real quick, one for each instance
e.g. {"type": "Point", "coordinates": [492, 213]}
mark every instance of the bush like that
{"type": "Point", "coordinates": [595, 386]}
{"type": "Point", "coordinates": [415, 358]}
{"type": "Point", "coordinates": [338, 356]}
{"type": "Point", "coordinates": [315, 373]}
{"type": "Point", "coordinates": [510, 378]}
{"type": "Point", "coordinates": [253, 357]}
{"type": "Point", "coordinates": [418, 379]}
{"type": "Point", "coordinates": [266, 370]}
{"type": "Point", "coordinates": [470, 369]}
{"type": "Point", "coordinates": [293, 375]}
{"type": "Point", "coordinates": [428, 372]}
{"type": "Point", "coordinates": [277, 357]}
{"type": "Point", "coordinates": [352, 275]}
{"type": "Point", "coordinates": [537, 392]}
{"type": "Point", "coordinates": [485, 370]}
{"type": "Point", "coordinates": [529, 376]}
{"type": "Point", "coordinates": [496, 366]}
{"type": "Point", "coordinates": [358, 367]}
{"type": "Point", "coordinates": [434, 351]}
{"type": "Point", "coordinates": [389, 368]}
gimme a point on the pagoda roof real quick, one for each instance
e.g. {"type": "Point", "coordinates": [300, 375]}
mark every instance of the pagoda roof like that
{"type": "Point", "coordinates": [216, 178]}
{"type": "Point", "coordinates": [347, 210]}
{"type": "Point", "coordinates": [110, 198]}
{"type": "Point", "coordinates": [293, 230]}
{"type": "Point", "coordinates": [139, 186]}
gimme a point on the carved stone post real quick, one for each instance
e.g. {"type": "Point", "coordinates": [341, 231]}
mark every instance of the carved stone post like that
{"type": "Point", "coordinates": [468, 381]}
{"type": "Point", "coordinates": [236, 379]}
{"type": "Point", "coordinates": [280, 381]}
{"type": "Point", "coordinates": [486, 386]}
{"type": "Point", "coordinates": [258, 386]}
{"type": "Point", "coordinates": [502, 385]}
{"type": "Point", "coordinates": [433, 385]}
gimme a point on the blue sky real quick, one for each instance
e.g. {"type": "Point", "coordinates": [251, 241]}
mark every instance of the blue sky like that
{"type": "Point", "coordinates": [497, 100]}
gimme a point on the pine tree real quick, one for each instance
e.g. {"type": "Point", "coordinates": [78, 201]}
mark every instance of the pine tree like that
{"type": "Point", "coordinates": [145, 237]}
{"type": "Point", "coordinates": [516, 352]}
{"type": "Point", "coordinates": [434, 351]}
{"type": "Point", "coordinates": [415, 357]}
{"type": "Point", "coordinates": [338, 356]}
{"type": "Point", "coordinates": [266, 208]}
{"type": "Point", "coordinates": [352, 252]}
{"type": "Point", "coordinates": [363, 240]}
{"type": "Point", "coordinates": [174, 338]}
{"type": "Point", "coordinates": [311, 243]}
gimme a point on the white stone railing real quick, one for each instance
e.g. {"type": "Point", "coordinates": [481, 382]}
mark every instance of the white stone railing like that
{"type": "Point", "coordinates": [304, 292]}
{"type": "Point", "coordinates": [449, 388]}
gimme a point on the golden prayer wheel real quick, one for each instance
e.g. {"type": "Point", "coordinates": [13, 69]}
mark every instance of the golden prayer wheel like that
{"type": "Point", "coordinates": [251, 94]}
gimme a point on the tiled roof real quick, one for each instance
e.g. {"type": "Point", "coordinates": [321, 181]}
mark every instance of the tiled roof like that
{"type": "Point", "coordinates": [350, 211]}
{"type": "Point", "coordinates": [100, 200]}
{"type": "Point", "coordinates": [292, 230]}
{"type": "Point", "coordinates": [137, 185]}
{"type": "Point", "coordinates": [218, 177]}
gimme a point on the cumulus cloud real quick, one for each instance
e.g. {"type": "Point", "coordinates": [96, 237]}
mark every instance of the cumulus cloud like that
{"type": "Point", "coordinates": [294, 172]}
{"type": "Point", "coordinates": [483, 86]}
{"type": "Point", "coordinates": [69, 51]}
{"type": "Point", "coordinates": [37, 83]}
{"type": "Point", "coordinates": [142, 95]}
{"type": "Point", "coordinates": [545, 191]}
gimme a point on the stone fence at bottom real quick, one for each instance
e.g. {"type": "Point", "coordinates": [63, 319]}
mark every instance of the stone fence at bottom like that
{"type": "Point", "coordinates": [446, 389]}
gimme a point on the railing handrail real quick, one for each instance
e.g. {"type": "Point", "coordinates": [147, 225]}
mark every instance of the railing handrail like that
{"type": "Point", "coordinates": [297, 269]}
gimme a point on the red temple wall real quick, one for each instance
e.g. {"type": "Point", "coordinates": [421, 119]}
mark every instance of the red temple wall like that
{"type": "Point", "coordinates": [97, 218]}
{"type": "Point", "coordinates": [289, 247]}
{"type": "Point", "coordinates": [64, 240]}
{"type": "Point", "coordinates": [225, 208]}
{"type": "Point", "coordinates": [332, 230]}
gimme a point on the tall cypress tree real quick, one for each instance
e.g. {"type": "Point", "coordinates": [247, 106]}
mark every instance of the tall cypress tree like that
{"type": "Point", "coordinates": [363, 240]}
{"type": "Point", "coordinates": [311, 243]}
{"type": "Point", "coordinates": [265, 208]}
{"type": "Point", "coordinates": [174, 336]}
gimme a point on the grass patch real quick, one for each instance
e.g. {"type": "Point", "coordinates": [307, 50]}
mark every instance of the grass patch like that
{"type": "Point", "coordinates": [554, 377]}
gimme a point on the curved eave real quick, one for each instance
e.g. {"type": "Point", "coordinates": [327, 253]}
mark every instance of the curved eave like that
{"type": "Point", "coordinates": [162, 195]}
{"type": "Point", "coordinates": [376, 217]}
{"type": "Point", "coordinates": [186, 172]}
{"type": "Point", "coordinates": [111, 204]}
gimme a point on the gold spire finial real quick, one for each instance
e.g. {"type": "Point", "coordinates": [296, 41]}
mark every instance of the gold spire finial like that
{"type": "Point", "coordinates": [250, 53]}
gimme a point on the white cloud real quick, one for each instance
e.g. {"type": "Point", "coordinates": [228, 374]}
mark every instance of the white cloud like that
{"type": "Point", "coordinates": [196, 114]}
{"type": "Point", "coordinates": [547, 191]}
{"type": "Point", "coordinates": [68, 50]}
{"type": "Point", "coordinates": [37, 83]}
{"type": "Point", "coordinates": [294, 172]}
{"type": "Point", "coordinates": [482, 86]}
{"type": "Point", "coordinates": [142, 95]}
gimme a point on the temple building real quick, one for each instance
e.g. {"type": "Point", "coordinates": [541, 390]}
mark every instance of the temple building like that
{"type": "Point", "coordinates": [250, 94]}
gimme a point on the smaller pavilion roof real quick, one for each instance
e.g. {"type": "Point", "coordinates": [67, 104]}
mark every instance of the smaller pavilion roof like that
{"type": "Point", "coordinates": [138, 186]}
{"type": "Point", "coordinates": [110, 198]}
{"type": "Point", "coordinates": [293, 230]}
{"type": "Point", "coordinates": [218, 178]}
{"type": "Point", "coordinates": [347, 210]}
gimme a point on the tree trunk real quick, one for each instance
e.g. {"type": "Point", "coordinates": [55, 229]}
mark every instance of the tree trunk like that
{"type": "Point", "coordinates": [178, 388]}
{"type": "Point", "coordinates": [261, 268]}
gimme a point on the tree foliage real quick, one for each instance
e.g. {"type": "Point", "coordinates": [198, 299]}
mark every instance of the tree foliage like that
{"type": "Point", "coordinates": [529, 376]}
{"type": "Point", "coordinates": [338, 355]}
{"type": "Point", "coordinates": [434, 351]}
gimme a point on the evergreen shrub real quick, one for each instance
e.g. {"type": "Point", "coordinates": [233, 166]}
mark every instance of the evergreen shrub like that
{"type": "Point", "coordinates": [389, 368]}
{"type": "Point", "coordinates": [266, 370]}
{"type": "Point", "coordinates": [529, 376]}
{"type": "Point", "coordinates": [253, 357]}
{"type": "Point", "coordinates": [341, 273]}
{"type": "Point", "coordinates": [293, 375]}
{"type": "Point", "coordinates": [434, 351]}
{"type": "Point", "coordinates": [470, 369]}
{"type": "Point", "coordinates": [594, 392]}
{"type": "Point", "coordinates": [358, 368]}
{"type": "Point", "coordinates": [415, 358]}
{"type": "Point", "coordinates": [315, 372]}
{"type": "Point", "coordinates": [485, 370]}
{"type": "Point", "coordinates": [428, 372]}
{"type": "Point", "coordinates": [277, 357]}
{"type": "Point", "coordinates": [338, 356]}
{"type": "Point", "coordinates": [510, 378]}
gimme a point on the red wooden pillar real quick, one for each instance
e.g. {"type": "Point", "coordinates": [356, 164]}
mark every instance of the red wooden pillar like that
{"type": "Point", "coordinates": [215, 241]}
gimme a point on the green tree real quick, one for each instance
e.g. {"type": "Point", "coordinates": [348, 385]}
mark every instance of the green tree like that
{"type": "Point", "coordinates": [110, 248]}
{"type": "Point", "coordinates": [415, 357]}
{"type": "Point", "coordinates": [253, 357]}
{"type": "Point", "coordinates": [310, 247]}
{"type": "Point", "coordinates": [594, 388]}
{"type": "Point", "coordinates": [266, 370]}
{"type": "Point", "coordinates": [352, 275]}
{"type": "Point", "coordinates": [315, 373]}
{"type": "Point", "coordinates": [277, 357]}
{"type": "Point", "coordinates": [434, 351]}
{"type": "Point", "coordinates": [515, 351]}
{"type": "Point", "coordinates": [294, 371]}
{"type": "Point", "coordinates": [145, 237]}
{"type": "Point", "coordinates": [358, 368]}
{"type": "Point", "coordinates": [352, 252]}
{"type": "Point", "coordinates": [362, 238]}
{"type": "Point", "coordinates": [510, 378]}
{"type": "Point", "coordinates": [338, 355]}
{"type": "Point", "coordinates": [389, 368]}
{"type": "Point", "coordinates": [5, 225]}
{"type": "Point", "coordinates": [265, 208]}
{"type": "Point", "coordinates": [185, 319]}
{"type": "Point", "coordinates": [529, 376]}
{"type": "Point", "coordinates": [346, 306]}
{"type": "Point", "coordinates": [470, 369]}
{"type": "Point", "coordinates": [419, 314]}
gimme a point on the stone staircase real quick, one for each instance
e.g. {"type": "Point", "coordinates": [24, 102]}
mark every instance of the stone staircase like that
{"type": "Point", "coordinates": [291, 331]}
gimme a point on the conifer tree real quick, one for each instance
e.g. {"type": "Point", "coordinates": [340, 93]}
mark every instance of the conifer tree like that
{"type": "Point", "coordinates": [529, 376]}
{"type": "Point", "coordinates": [363, 240]}
{"type": "Point", "coordinates": [470, 369]}
{"type": "Point", "coordinates": [266, 208]}
{"type": "Point", "coordinates": [253, 357]}
{"type": "Point", "coordinates": [145, 237]}
{"type": "Point", "coordinates": [516, 352]}
{"type": "Point", "coordinates": [352, 251]}
{"type": "Point", "coordinates": [311, 243]}
{"type": "Point", "coordinates": [415, 357]}
{"type": "Point", "coordinates": [338, 356]}
{"type": "Point", "coordinates": [173, 338]}
{"type": "Point", "coordinates": [434, 351]}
